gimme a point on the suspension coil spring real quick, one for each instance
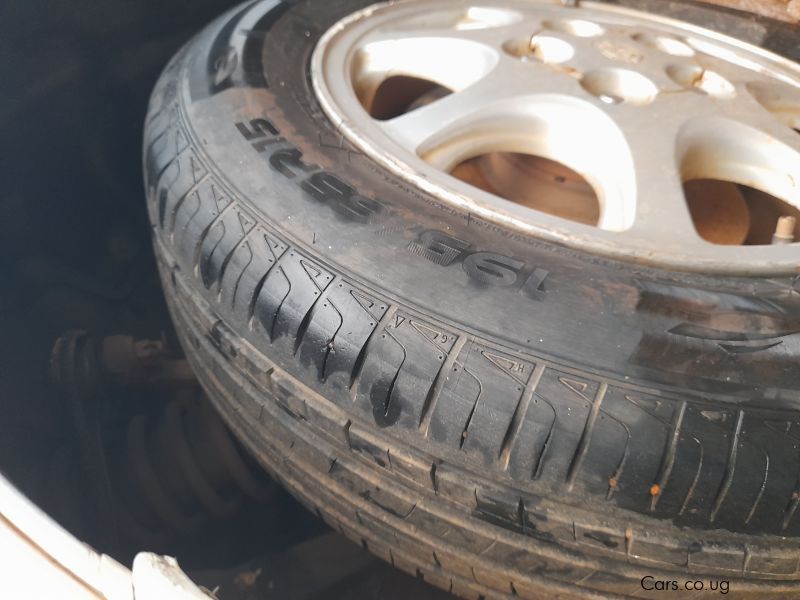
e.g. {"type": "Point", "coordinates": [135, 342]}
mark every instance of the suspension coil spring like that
{"type": "Point", "coordinates": [175, 468]}
{"type": "Point", "coordinates": [75, 365]}
{"type": "Point", "coordinates": [180, 468]}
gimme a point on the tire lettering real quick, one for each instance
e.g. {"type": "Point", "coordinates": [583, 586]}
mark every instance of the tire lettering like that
{"type": "Point", "coordinates": [328, 188]}
{"type": "Point", "coordinates": [492, 269]}
{"type": "Point", "coordinates": [283, 160]}
{"type": "Point", "coordinates": [438, 247]}
{"type": "Point", "coordinates": [257, 128]}
{"type": "Point", "coordinates": [534, 285]}
{"type": "Point", "coordinates": [320, 185]}
{"type": "Point", "coordinates": [485, 268]}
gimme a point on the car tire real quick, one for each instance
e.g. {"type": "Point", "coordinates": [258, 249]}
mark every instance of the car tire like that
{"type": "Point", "coordinates": [499, 415]}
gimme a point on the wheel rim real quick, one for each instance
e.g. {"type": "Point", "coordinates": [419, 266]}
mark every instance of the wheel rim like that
{"type": "Point", "coordinates": [635, 104]}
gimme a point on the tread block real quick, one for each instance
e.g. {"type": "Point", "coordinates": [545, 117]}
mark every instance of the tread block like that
{"type": "Point", "coordinates": [398, 374]}
{"type": "Point", "coordinates": [491, 579]}
{"type": "Point", "coordinates": [499, 507]}
{"type": "Point", "coordinates": [341, 324]}
{"type": "Point", "coordinates": [180, 173]}
{"type": "Point", "coordinates": [516, 557]}
{"type": "Point", "coordinates": [653, 548]}
{"type": "Point", "coordinates": [620, 462]}
{"type": "Point", "coordinates": [762, 487]}
{"type": "Point", "coordinates": [192, 227]}
{"type": "Point", "coordinates": [762, 560]}
{"type": "Point", "coordinates": [703, 447]}
{"type": "Point", "coordinates": [312, 456]}
{"type": "Point", "coordinates": [570, 397]}
{"type": "Point", "coordinates": [602, 538]}
{"type": "Point", "coordinates": [287, 396]}
{"type": "Point", "coordinates": [412, 467]}
{"type": "Point", "coordinates": [368, 446]}
{"type": "Point", "coordinates": [716, 557]}
{"type": "Point", "coordinates": [452, 564]}
{"type": "Point", "coordinates": [462, 589]}
{"type": "Point", "coordinates": [289, 292]}
{"type": "Point", "coordinates": [220, 244]}
{"type": "Point", "coordinates": [501, 379]}
{"type": "Point", "coordinates": [436, 577]}
{"type": "Point", "coordinates": [384, 499]}
{"type": "Point", "coordinates": [329, 420]}
{"type": "Point", "coordinates": [534, 434]}
{"type": "Point", "coordinates": [454, 484]}
{"type": "Point", "coordinates": [544, 524]}
{"type": "Point", "coordinates": [458, 535]}
{"type": "Point", "coordinates": [247, 267]}
{"type": "Point", "coordinates": [256, 367]}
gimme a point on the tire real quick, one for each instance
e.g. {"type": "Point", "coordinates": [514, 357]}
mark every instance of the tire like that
{"type": "Point", "coordinates": [498, 415]}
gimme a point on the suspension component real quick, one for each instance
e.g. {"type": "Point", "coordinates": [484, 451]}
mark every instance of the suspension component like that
{"type": "Point", "coordinates": [181, 467]}
{"type": "Point", "coordinates": [85, 365]}
{"type": "Point", "coordinates": [176, 467]}
{"type": "Point", "coordinates": [75, 365]}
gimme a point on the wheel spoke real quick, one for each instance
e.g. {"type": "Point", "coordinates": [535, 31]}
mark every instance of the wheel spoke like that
{"type": "Point", "coordinates": [661, 212]}
{"type": "Point", "coordinates": [507, 26]}
{"type": "Point", "coordinates": [487, 37]}
{"type": "Point", "coordinates": [505, 88]}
